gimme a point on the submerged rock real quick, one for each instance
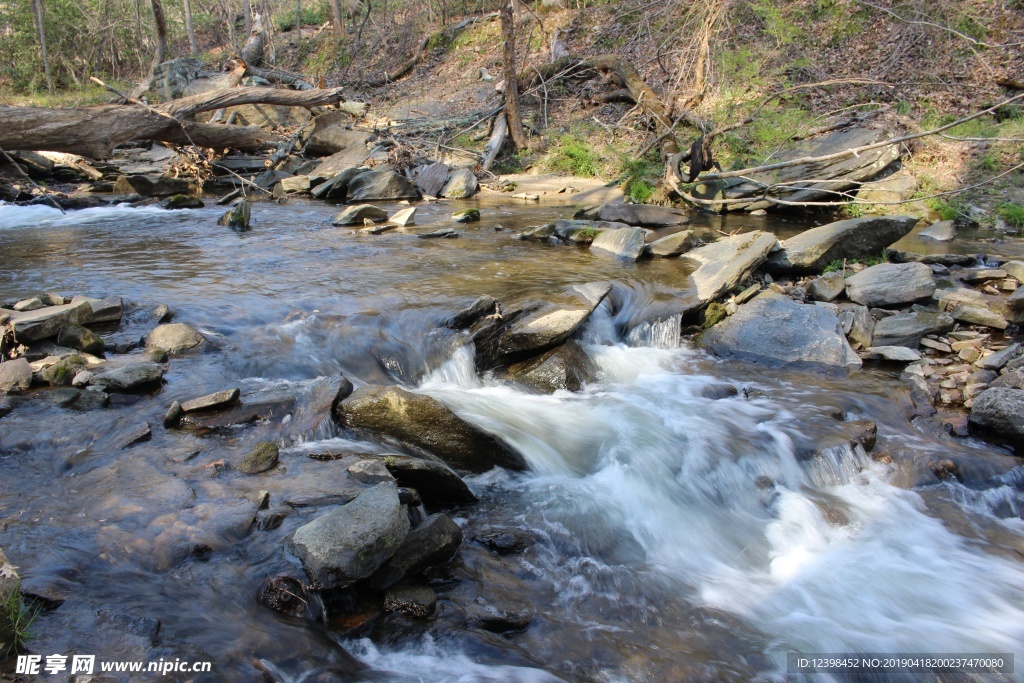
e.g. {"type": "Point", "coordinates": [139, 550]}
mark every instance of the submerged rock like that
{"type": "Point", "coordinates": [262, 458]}
{"type": "Point", "coordinates": [415, 601]}
{"type": "Point", "coordinates": [352, 542]}
{"type": "Point", "coordinates": [426, 423]}
{"type": "Point", "coordinates": [220, 399]}
{"type": "Point", "coordinates": [775, 330]}
{"type": "Point", "coordinates": [854, 238]}
{"type": "Point", "coordinates": [891, 283]}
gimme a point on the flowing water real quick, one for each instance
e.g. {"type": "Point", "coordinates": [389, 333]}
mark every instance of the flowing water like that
{"type": "Point", "coordinates": [668, 536]}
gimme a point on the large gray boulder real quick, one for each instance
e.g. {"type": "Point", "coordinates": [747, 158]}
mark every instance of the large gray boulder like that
{"type": "Point", "coordinates": [643, 215]}
{"type": "Point", "coordinates": [352, 542]}
{"type": "Point", "coordinates": [1000, 411]}
{"type": "Point", "coordinates": [131, 377]}
{"type": "Point", "coordinates": [907, 329]}
{"type": "Point", "coordinates": [891, 283]}
{"type": "Point", "coordinates": [943, 231]}
{"type": "Point", "coordinates": [724, 264]}
{"type": "Point", "coordinates": [336, 187]}
{"type": "Point", "coordinates": [15, 375]}
{"type": "Point", "coordinates": [779, 332]}
{"type": "Point", "coordinates": [379, 186]}
{"type": "Point", "coordinates": [854, 238]}
{"type": "Point", "coordinates": [174, 337]}
{"type": "Point", "coordinates": [435, 541]}
{"type": "Point", "coordinates": [460, 185]}
{"type": "Point", "coordinates": [791, 184]}
{"type": "Point", "coordinates": [330, 136]}
{"type": "Point", "coordinates": [432, 178]}
{"type": "Point", "coordinates": [551, 323]}
{"type": "Point", "coordinates": [425, 423]}
{"type": "Point", "coordinates": [625, 243]}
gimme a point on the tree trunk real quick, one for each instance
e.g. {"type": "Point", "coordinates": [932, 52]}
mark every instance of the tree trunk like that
{"type": "Point", "coordinates": [95, 131]}
{"type": "Point", "coordinates": [161, 32]}
{"type": "Point", "coordinates": [193, 46]}
{"type": "Point", "coordinates": [247, 15]}
{"type": "Point", "coordinates": [515, 119]}
{"type": "Point", "coordinates": [298, 20]}
{"type": "Point", "coordinates": [252, 52]}
{"type": "Point", "coordinates": [37, 6]}
{"type": "Point", "coordinates": [336, 16]}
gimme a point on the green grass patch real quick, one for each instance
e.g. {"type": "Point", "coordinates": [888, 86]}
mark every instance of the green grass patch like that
{"type": "Point", "coordinates": [21, 617]}
{"type": "Point", "coordinates": [574, 156]}
{"type": "Point", "coordinates": [1012, 214]}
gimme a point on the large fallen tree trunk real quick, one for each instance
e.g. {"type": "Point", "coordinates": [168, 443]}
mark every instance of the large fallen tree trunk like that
{"type": "Point", "coordinates": [95, 131]}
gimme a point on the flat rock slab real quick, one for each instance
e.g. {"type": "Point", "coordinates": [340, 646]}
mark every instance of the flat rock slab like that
{"type": "Point", "coordinates": [673, 245]}
{"type": "Point", "coordinates": [355, 215]}
{"type": "Point", "coordinates": [724, 264]}
{"type": "Point", "coordinates": [854, 238]}
{"type": "Point", "coordinates": [978, 315]}
{"type": "Point", "coordinates": [943, 231]}
{"type": "Point", "coordinates": [891, 283]}
{"type": "Point", "coordinates": [108, 310]}
{"type": "Point", "coordinates": [241, 414]}
{"type": "Point", "coordinates": [131, 377]}
{"type": "Point", "coordinates": [352, 542]}
{"type": "Point", "coordinates": [777, 331]}
{"type": "Point", "coordinates": [907, 329]}
{"type": "Point", "coordinates": [424, 422]}
{"type": "Point", "coordinates": [625, 243]}
{"type": "Point", "coordinates": [217, 400]}
{"type": "Point", "coordinates": [900, 354]}
{"type": "Point", "coordinates": [642, 215]}
{"type": "Point", "coordinates": [47, 322]}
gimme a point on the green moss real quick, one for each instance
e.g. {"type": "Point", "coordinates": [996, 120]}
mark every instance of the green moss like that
{"type": "Point", "coordinates": [714, 314]}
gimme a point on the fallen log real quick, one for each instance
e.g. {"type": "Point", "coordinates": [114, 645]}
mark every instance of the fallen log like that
{"type": "Point", "coordinates": [498, 133]}
{"type": "Point", "coordinates": [95, 131]}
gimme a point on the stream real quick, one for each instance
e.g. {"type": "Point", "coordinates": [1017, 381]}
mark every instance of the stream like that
{"type": "Point", "coordinates": [667, 534]}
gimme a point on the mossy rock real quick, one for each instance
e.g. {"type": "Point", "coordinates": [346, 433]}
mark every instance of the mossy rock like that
{"type": "Point", "coordinates": [264, 457]}
{"type": "Point", "coordinates": [63, 371]}
{"type": "Point", "coordinates": [183, 201]}
{"type": "Point", "coordinates": [714, 314]}
{"type": "Point", "coordinates": [467, 216]}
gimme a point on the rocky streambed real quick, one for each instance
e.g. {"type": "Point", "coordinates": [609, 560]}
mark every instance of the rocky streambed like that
{"type": "Point", "coordinates": [602, 444]}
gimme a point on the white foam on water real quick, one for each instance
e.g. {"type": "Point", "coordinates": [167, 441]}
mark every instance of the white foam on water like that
{"type": "Point", "coordinates": [13, 216]}
{"type": "Point", "coordinates": [680, 474]}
